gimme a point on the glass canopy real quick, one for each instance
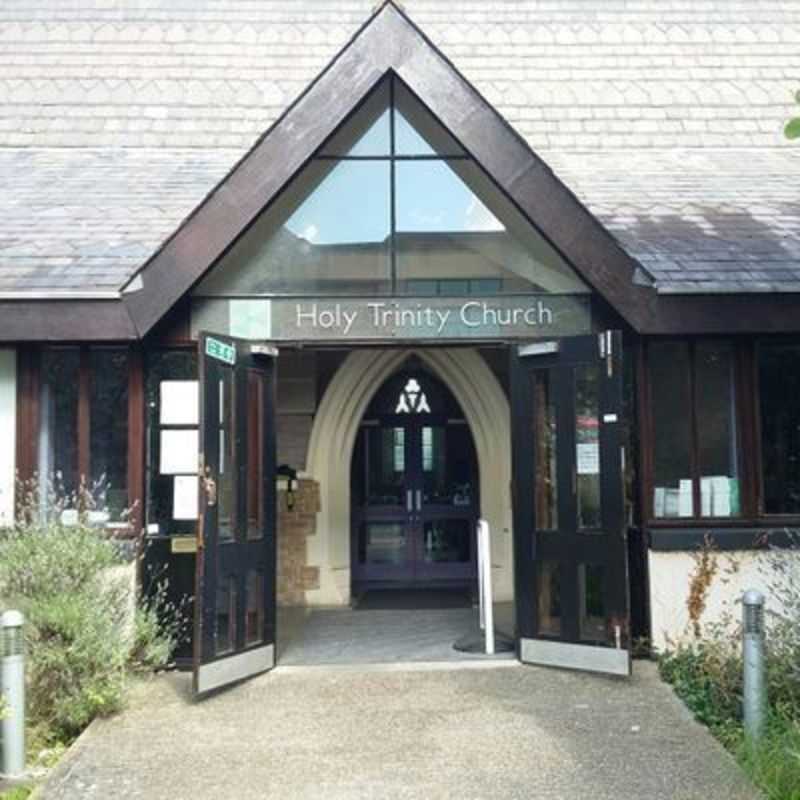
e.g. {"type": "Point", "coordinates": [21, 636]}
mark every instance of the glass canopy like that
{"type": "Point", "coordinates": [391, 205]}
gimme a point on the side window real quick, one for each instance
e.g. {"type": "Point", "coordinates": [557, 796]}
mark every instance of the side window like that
{"type": "Point", "coordinates": [82, 445]}
{"type": "Point", "coordinates": [779, 389]}
{"type": "Point", "coordinates": [695, 437]}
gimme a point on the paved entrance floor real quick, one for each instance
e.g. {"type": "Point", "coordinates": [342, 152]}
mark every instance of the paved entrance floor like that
{"type": "Point", "coordinates": [403, 731]}
{"type": "Point", "coordinates": [344, 636]}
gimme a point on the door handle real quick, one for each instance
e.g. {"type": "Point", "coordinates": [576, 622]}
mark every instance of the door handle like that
{"type": "Point", "coordinates": [419, 499]}
{"type": "Point", "coordinates": [409, 501]}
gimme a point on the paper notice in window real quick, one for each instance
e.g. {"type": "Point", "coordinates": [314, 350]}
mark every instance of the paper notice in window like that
{"type": "Point", "coordinates": [588, 457]}
{"type": "Point", "coordinates": [180, 403]}
{"type": "Point", "coordinates": [685, 500]}
{"type": "Point", "coordinates": [179, 452]}
{"type": "Point", "coordinates": [184, 497]}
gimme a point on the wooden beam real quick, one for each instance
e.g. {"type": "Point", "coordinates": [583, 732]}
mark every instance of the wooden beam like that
{"type": "Point", "coordinates": [64, 321]}
{"type": "Point", "coordinates": [136, 438]}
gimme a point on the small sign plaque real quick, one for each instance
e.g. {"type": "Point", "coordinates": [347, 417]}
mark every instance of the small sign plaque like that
{"type": "Point", "coordinates": [183, 544]}
{"type": "Point", "coordinates": [221, 351]}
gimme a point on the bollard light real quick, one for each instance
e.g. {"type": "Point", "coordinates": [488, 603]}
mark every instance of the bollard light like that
{"type": "Point", "coordinates": [754, 699]}
{"type": "Point", "coordinates": [12, 686]}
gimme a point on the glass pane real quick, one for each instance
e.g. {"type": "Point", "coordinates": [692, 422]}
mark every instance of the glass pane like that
{"type": "Point", "coordinates": [224, 630]}
{"type": "Point", "coordinates": [385, 467]}
{"type": "Point", "coordinates": [255, 461]}
{"type": "Point", "coordinates": [58, 423]}
{"type": "Point", "coordinates": [416, 131]}
{"type": "Point", "coordinates": [716, 430]}
{"type": "Point", "coordinates": [109, 430]}
{"type": "Point", "coordinates": [254, 617]}
{"type": "Point", "coordinates": [670, 401]}
{"type": "Point", "coordinates": [544, 440]}
{"type": "Point", "coordinates": [382, 543]}
{"type": "Point", "coordinates": [448, 473]}
{"type": "Point", "coordinates": [457, 235]}
{"type": "Point", "coordinates": [171, 380]}
{"type": "Point", "coordinates": [779, 387]}
{"type": "Point", "coordinates": [591, 602]}
{"type": "Point", "coordinates": [226, 481]}
{"type": "Point", "coordinates": [328, 233]}
{"type": "Point", "coordinates": [548, 598]}
{"type": "Point", "coordinates": [587, 445]}
{"type": "Point", "coordinates": [366, 133]}
{"type": "Point", "coordinates": [446, 541]}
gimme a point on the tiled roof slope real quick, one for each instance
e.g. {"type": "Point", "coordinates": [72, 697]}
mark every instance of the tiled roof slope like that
{"type": "Point", "coordinates": [117, 118]}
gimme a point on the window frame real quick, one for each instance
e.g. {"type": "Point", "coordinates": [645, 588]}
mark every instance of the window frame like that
{"type": "Point", "coordinates": [794, 340]}
{"type": "Point", "coordinates": [29, 369]}
{"type": "Point", "coordinates": [742, 420]}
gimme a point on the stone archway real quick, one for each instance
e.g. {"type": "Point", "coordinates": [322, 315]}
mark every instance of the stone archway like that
{"type": "Point", "coordinates": [333, 436]}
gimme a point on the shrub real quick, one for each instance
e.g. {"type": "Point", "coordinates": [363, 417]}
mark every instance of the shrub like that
{"type": "Point", "coordinates": [84, 632]}
{"type": "Point", "coordinates": [706, 671]}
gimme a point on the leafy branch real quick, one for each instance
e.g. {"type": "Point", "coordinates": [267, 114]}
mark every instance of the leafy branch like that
{"type": "Point", "coordinates": [792, 129]}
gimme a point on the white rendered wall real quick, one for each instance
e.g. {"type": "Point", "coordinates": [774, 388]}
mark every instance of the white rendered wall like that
{"type": "Point", "coordinates": [8, 433]}
{"type": "Point", "coordinates": [670, 576]}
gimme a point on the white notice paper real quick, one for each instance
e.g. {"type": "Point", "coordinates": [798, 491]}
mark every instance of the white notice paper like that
{"type": "Point", "coordinates": [184, 497]}
{"type": "Point", "coordinates": [180, 403]}
{"type": "Point", "coordinates": [685, 499]}
{"type": "Point", "coordinates": [588, 457]}
{"type": "Point", "coordinates": [179, 452]}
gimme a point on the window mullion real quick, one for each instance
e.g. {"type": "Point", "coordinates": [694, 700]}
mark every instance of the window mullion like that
{"type": "Point", "coordinates": [695, 444]}
{"type": "Point", "coordinates": [84, 419]}
{"type": "Point", "coordinates": [392, 194]}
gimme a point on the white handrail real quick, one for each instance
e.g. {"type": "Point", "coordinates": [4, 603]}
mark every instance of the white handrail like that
{"type": "Point", "coordinates": [486, 609]}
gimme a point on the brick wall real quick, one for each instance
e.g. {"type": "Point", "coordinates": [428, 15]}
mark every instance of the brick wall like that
{"type": "Point", "coordinates": [295, 576]}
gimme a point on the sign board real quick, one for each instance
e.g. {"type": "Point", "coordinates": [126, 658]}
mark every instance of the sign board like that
{"type": "Point", "coordinates": [221, 351]}
{"type": "Point", "coordinates": [183, 544]}
{"type": "Point", "coordinates": [394, 318]}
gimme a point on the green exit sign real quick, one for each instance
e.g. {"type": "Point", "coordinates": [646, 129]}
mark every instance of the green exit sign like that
{"type": "Point", "coordinates": [220, 351]}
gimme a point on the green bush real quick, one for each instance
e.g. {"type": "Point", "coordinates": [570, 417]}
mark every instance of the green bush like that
{"type": "Point", "coordinates": [706, 671]}
{"type": "Point", "coordinates": [84, 631]}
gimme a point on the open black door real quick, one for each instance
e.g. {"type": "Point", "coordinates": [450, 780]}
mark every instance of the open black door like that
{"type": "Point", "coordinates": [569, 509]}
{"type": "Point", "coordinates": [234, 629]}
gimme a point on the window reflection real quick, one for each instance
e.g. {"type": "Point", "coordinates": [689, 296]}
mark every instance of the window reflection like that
{"type": "Point", "coordinates": [331, 230]}
{"type": "Point", "coordinates": [328, 233]}
{"type": "Point", "coordinates": [779, 387]}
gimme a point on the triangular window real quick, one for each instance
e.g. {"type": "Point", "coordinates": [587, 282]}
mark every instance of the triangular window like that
{"type": "Point", "coordinates": [391, 205]}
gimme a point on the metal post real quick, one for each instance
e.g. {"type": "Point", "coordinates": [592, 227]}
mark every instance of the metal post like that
{"type": "Point", "coordinates": [12, 686]}
{"type": "Point", "coordinates": [755, 690]}
{"type": "Point", "coordinates": [485, 585]}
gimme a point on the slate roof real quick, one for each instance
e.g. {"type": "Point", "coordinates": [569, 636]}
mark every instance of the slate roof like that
{"type": "Point", "coordinates": [664, 118]}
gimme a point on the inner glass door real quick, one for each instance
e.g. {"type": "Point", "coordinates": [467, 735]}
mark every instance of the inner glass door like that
{"type": "Point", "coordinates": [414, 494]}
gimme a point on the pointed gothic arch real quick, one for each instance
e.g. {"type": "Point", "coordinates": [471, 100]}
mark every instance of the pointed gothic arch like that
{"type": "Point", "coordinates": [333, 437]}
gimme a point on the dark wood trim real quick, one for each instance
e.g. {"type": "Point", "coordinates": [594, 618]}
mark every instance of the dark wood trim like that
{"type": "Point", "coordinates": [28, 377]}
{"type": "Point", "coordinates": [723, 314]}
{"type": "Point", "coordinates": [645, 437]}
{"type": "Point", "coordinates": [136, 438]}
{"type": "Point", "coordinates": [65, 320]}
{"type": "Point", "coordinates": [694, 434]}
{"type": "Point", "coordinates": [749, 440]}
{"type": "Point", "coordinates": [84, 464]}
{"type": "Point", "coordinates": [388, 43]}
{"type": "Point", "coordinates": [723, 538]}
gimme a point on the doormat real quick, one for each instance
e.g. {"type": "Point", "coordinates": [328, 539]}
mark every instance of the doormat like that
{"type": "Point", "coordinates": [408, 599]}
